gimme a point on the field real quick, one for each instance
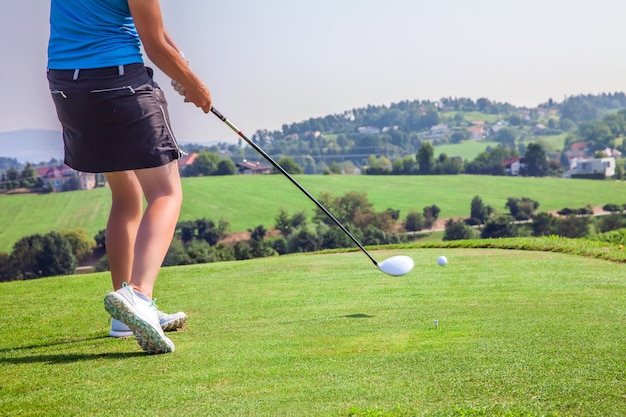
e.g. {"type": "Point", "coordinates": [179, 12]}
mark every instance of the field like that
{"type": "Point", "coordinates": [518, 334]}
{"type": "Point", "coordinates": [467, 150]}
{"type": "Point", "coordinates": [248, 201]}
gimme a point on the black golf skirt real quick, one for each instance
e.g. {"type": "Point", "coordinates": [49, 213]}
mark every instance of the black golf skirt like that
{"type": "Point", "coordinates": [113, 119]}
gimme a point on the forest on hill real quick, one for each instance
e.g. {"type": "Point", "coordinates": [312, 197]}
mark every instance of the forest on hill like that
{"type": "Point", "coordinates": [403, 139]}
{"type": "Point", "coordinates": [359, 137]}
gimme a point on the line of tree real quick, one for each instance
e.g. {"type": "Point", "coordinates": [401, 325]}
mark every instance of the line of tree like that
{"type": "Point", "coordinates": [202, 240]}
{"type": "Point", "coordinates": [13, 178]}
{"type": "Point", "coordinates": [523, 220]}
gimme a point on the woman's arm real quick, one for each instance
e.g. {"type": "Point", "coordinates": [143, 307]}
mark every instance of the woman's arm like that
{"type": "Point", "coordinates": [162, 50]}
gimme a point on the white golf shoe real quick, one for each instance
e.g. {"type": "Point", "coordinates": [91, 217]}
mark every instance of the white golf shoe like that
{"type": "Point", "coordinates": [141, 318]}
{"type": "Point", "coordinates": [168, 322]}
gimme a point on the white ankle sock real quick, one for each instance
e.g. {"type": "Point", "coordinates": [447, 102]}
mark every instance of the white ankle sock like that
{"type": "Point", "coordinates": [142, 296]}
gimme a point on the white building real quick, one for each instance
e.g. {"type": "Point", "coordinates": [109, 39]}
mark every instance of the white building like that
{"type": "Point", "coordinates": [591, 168]}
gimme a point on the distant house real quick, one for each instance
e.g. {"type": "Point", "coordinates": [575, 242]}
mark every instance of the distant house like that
{"type": "Point", "coordinates": [437, 131]}
{"type": "Point", "coordinates": [186, 161]}
{"type": "Point", "coordinates": [496, 128]}
{"type": "Point", "coordinates": [538, 129]}
{"type": "Point", "coordinates": [512, 166]}
{"type": "Point", "coordinates": [312, 134]}
{"type": "Point", "coordinates": [253, 168]}
{"type": "Point", "coordinates": [476, 132]}
{"type": "Point", "coordinates": [57, 176]}
{"type": "Point", "coordinates": [577, 151]}
{"type": "Point", "coordinates": [579, 148]}
{"type": "Point", "coordinates": [612, 152]}
{"type": "Point", "coordinates": [592, 168]}
{"type": "Point", "coordinates": [368, 130]}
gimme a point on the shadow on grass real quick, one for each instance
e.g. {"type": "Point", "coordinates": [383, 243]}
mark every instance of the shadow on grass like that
{"type": "Point", "coordinates": [57, 342]}
{"type": "Point", "coordinates": [63, 358]}
{"type": "Point", "coordinates": [357, 316]}
{"type": "Point", "coordinates": [70, 358]}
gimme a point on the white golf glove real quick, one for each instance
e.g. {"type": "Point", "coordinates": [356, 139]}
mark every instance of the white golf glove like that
{"type": "Point", "coordinates": [178, 86]}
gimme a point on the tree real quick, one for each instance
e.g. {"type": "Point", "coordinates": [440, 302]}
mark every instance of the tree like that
{"type": "Point", "coordinates": [287, 224]}
{"type": "Point", "coordinates": [290, 166]}
{"type": "Point", "coordinates": [479, 213]}
{"type": "Point", "coordinates": [23, 255]}
{"type": "Point", "coordinates": [210, 232]}
{"type": "Point", "coordinates": [7, 270]}
{"type": "Point", "coordinates": [543, 224]}
{"type": "Point", "coordinates": [333, 237]}
{"type": "Point", "coordinates": [490, 162]}
{"type": "Point", "coordinates": [39, 256]}
{"type": "Point", "coordinates": [457, 230]}
{"type": "Point", "coordinates": [352, 207]}
{"type": "Point", "coordinates": [404, 166]}
{"type": "Point", "coordinates": [226, 167]}
{"type": "Point", "coordinates": [334, 168]}
{"type": "Point", "coordinates": [378, 166]}
{"type": "Point", "coordinates": [521, 209]}
{"type": "Point", "coordinates": [425, 159]}
{"type": "Point", "coordinates": [258, 232]}
{"type": "Point", "coordinates": [448, 166]}
{"type": "Point", "coordinates": [535, 161]}
{"type": "Point", "coordinates": [414, 221]}
{"type": "Point", "coordinates": [204, 164]}
{"type": "Point", "coordinates": [506, 136]}
{"type": "Point", "coordinates": [613, 221]}
{"type": "Point", "coordinates": [176, 254]}
{"type": "Point", "coordinates": [202, 229]}
{"type": "Point", "coordinates": [304, 239]}
{"type": "Point", "coordinates": [82, 245]}
{"type": "Point", "coordinates": [431, 213]}
{"type": "Point", "coordinates": [11, 180]}
{"type": "Point", "coordinates": [28, 177]}
{"type": "Point", "coordinates": [573, 226]}
{"type": "Point", "coordinates": [499, 227]}
{"type": "Point", "coordinates": [459, 136]}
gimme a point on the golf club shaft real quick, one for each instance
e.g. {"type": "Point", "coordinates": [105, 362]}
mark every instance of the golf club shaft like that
{"type": "Point", "coordinates": [286, 174]}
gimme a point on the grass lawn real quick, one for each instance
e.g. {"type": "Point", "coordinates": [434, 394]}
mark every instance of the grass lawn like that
{"type": "Point", "coordinates": [520, 333]}
{"type": "Point", "coordinates": [467, 150]}
{"type": "Point", "coordinates": [248, 201]}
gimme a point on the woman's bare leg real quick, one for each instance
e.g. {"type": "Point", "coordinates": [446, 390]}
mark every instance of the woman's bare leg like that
{"type": "Point", "coordinates": [163, 191]}
{"type": "Point", "coordinates": [123, 224]}
{"type": "Point", "coordinates": [137, 241]}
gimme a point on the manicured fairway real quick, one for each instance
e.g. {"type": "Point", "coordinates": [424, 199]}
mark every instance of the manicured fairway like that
{"type": "Point", "coordinates": [520, 333]}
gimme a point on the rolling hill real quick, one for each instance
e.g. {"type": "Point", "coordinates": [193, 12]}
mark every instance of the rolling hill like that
{"type": "Point", "coordinates": [248, 201]}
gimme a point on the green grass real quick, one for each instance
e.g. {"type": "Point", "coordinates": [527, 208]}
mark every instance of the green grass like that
{"type": "Point", "coordinates": [248, 201]}
{"type": "Point", "coordinates": [521, 333]}
{"type": "Point", "coordinates": [552, 143]}
{"type": "Point", "coordinates": [467, 150]}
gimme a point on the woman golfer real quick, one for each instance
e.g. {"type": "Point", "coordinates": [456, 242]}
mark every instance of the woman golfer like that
{"type": "Point", "coordinates": [115, 121]}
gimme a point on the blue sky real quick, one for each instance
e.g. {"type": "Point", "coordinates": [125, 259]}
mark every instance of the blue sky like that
{"type": "Point", "coordinates": [282, 61]}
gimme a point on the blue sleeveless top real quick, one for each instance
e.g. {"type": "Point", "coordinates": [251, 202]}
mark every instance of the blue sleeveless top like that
{"type": "Point", "coordinates": [92, 34]}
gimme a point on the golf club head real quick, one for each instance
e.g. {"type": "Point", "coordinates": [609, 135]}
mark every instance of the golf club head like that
{"type": "Point", "coordinates": [396, 265]}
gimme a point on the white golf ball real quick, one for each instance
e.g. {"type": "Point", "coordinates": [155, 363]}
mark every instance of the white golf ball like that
{"type": "Point", "coordinates": [442, 260]}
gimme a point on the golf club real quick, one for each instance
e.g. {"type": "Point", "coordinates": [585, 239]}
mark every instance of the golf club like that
{"type": "Point", "coordinates": [396, 265]}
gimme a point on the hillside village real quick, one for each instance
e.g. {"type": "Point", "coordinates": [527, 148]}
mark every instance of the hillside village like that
{"type": "Point", "coordinates": [376, 140]}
